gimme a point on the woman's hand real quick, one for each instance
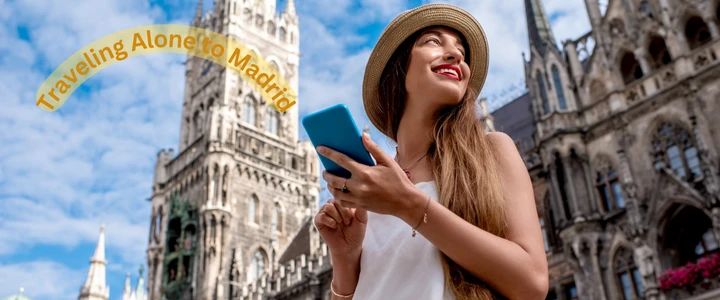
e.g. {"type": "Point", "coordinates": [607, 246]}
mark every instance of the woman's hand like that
{"type": "Point", "coordinates": [342, 229]}
{"type": "Point", "coordinates": [383, 188]}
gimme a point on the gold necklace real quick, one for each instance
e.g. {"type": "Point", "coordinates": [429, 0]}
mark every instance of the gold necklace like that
{"type": "Point", "coordinates": [407, 170]}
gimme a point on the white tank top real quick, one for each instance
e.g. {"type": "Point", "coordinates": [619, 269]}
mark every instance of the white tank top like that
{"type": "Point", "coordinates": [395, 265]}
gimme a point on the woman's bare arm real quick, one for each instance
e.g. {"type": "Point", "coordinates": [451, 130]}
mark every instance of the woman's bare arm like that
{"type": "Point", "coordinates": [515, 267]}
{"type": "Point", "coordinates": [346, 273]}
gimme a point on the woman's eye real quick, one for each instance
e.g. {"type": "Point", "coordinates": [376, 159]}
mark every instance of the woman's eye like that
{"type": "Point", "coordinates": [434, 40]}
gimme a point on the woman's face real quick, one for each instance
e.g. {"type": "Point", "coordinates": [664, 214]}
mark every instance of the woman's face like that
{"type": "Point", "coordinates": [437, 71]}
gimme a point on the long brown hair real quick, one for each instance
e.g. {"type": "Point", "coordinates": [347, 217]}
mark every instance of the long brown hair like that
{"type": "Point", "coordinates": [463, 163]}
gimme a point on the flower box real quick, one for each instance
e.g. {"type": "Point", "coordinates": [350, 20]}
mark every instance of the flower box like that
{"type": "Point", "coordinates": [692, 278]}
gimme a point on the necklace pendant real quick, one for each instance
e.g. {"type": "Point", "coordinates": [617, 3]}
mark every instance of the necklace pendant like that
{"type": "Point", "coordinates": [408, 174]}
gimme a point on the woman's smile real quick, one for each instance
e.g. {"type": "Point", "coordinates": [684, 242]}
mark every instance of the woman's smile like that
{"type": "Point", "coordinates": [448, 70]}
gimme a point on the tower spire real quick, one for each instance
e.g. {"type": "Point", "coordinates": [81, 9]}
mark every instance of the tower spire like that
{"type": "Point", "coordinates": [539, 30]}
{"type": "Point", "coordinates": [290, 7]}
{"type": "Point", "coordinates": [127, 291]}
{"type": "Point", "coordinates": [198, 14]}
{"type": "Point", "coordinates": [95, 287]}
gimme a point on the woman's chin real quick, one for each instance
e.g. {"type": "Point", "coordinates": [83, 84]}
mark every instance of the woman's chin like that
{"type": "Point", "coordinates": [449, 94]}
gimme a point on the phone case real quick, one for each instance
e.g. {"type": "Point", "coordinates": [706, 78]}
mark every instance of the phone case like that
{"type": "Point", "coordinates": [334, 127]}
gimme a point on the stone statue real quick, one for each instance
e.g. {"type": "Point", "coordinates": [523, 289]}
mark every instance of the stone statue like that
{"type": "Point", "coordinates": [644, 259]}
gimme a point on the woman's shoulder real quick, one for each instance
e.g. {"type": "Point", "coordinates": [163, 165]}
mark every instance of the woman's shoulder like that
{"type": "Point", "coordinates": [500, 139]}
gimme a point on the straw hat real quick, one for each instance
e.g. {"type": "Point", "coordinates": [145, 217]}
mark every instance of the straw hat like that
{"type": "Point", "coordinates": [407, 23]}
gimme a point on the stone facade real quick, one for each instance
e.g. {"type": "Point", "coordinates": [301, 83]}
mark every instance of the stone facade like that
{"type": "Point", "coordinates": [623, 150]}
{"type": "Point", "coordinates": [242, 185]}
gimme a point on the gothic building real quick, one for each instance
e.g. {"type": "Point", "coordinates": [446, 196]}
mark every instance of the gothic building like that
{"type": "Point", "coordinates": [619, 131]}
{"type": "Point", "coordinates": [242, 185]}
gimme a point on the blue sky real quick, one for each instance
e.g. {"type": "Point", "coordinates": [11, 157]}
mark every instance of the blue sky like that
{"type": "Point", "coordinates": [63, 174]}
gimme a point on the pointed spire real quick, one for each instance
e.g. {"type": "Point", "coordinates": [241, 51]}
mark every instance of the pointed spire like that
{"type": "Point", "coordinates": [99, 255]}
{"type": "Point", "coordinates": [539, 30]}
{"type": "Point", "coordinates": [127, 290]}
{"type": "Point", "coordinates": [290, 7]}
{"type": "Point", "coordinates": [95, 286]}
{"type": "Point", "coordinates": [198, 14]}
{"type": "Point", "coordinates": [140, 292]}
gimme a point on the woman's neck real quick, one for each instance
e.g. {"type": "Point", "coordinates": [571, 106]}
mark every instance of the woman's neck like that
{"type": "Point", "coordinates": [415, 134]}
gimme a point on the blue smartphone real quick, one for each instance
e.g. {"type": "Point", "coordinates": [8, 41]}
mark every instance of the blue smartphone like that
{"type": "Point", "coordinates": [334, 127]}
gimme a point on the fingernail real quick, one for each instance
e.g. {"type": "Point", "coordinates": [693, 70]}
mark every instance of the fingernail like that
{"type": "Point", "coordinates": [321, 149]}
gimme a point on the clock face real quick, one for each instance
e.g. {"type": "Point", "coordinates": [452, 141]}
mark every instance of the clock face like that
{"type": "Point", "coordinates": [206, 67]}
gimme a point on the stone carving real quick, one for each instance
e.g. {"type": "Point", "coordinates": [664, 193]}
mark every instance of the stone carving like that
{"type": "Point", "coordinates": [669, 76]}
{"type": "Point", "coordinates": [255, 146]}
{"type": "Point", "coordinates": [644, 259]}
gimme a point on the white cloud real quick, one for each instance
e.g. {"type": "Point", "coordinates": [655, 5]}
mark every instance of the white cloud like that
{"type": "Point", "coordinates": [41, 280]}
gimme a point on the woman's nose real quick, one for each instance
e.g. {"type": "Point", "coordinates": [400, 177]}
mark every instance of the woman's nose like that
{"type": "Point", "coordinates": [453, 54]}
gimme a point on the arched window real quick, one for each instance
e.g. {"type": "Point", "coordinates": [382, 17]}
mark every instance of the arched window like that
{"type": "Point", "coordinates": [257, 265]}
{"type": "Point", "coordinates": [248, 16]}
{"type": "Point", "coordinates": [672, 146]}
{"type": "Point", "coordinates": [562, 185]}
{"type": "Point", "coordinates": [707, 244]}
{"type": "Point", "coordinates": [282, 33]}
{"type": "Point", "coordinates": [276, 217]}
{"type": "Point", "coordinates": [628, 275]}
{"type": "Point", "coordinates": [271, 28]}
{"type": "Point", "coordinates": [608, 186]}
{"type": "Point", "coordinates": [252, 209]}
{"type": "Point", "coordinates": [571, 292]}
{"type": "Point", "coordinates": [213, 225]}
{"type": "Point", "coordinates": [697, 32]}
{"type": "Point", "coordinates": [271, 120]}
{"type": "Point", "coordinates": [658, 52]}
{"type": "Point", "coordinates": [543, 94]}
{"type": "Point", "coordinates": [645, 9]}
{"type": "Point", "coordinates": [249, 110]}
{"type": "Point", "coordinates": [559, 88]}
{"type": "Point", "coordinates": [630, 68]}
{"type": "Point", "coordinates": [259, 21]}
{"type": "Point", "coordinates": [275, 66]}
{"type": "Point", "coordinates": [292, 38]}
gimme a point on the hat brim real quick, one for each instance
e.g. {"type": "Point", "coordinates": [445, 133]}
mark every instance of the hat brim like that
{"type": "Point", "coordinates": [407, 23]}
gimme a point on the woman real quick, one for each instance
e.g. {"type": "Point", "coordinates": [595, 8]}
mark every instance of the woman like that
{"type": "Point", "coordinates": [467, 194]}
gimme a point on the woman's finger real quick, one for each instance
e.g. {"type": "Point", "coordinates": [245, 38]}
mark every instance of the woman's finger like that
{"type": "Point", "coordinates": [326, 220]}
{"type": "Point", "coordinates": [345, 213]}
{"type": "Point", "coordinates": [331, 210]}
{"type": "Point", "coordinates": [335, 181]}
{"type": "Point", "coordinates": [340, 159]}
{"type": "Point", "coordinates": [348, 204]}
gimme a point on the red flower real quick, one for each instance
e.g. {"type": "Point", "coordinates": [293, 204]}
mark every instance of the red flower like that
{"type": "Point", "coordinates": [691, 273]}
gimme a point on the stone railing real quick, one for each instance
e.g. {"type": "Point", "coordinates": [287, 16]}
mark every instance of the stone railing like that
{"type": "Point", "coordinates": [559, 120]}
{"type": "Point", "coordinates": [191, 153]}
{"type": "Point", "coordinates": [289, 274]}
{"type": "Point", "coordinates": [695, 62]}
{"type": "Point", "coordinates": [653, 84]}
{"type": "Point", "coordinates": [705, 56]}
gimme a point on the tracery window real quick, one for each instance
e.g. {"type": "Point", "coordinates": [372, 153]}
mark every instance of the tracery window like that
{"type": "Point", "coordinates": [609, 189]}
{"type": "Point", "coordinates": [249, 110]}
{"type": "Point", "coordinates": [543, 93]}
{"type": "Point", "coordinates": [559, 88]}
{"type": "Point", "coordinates": [257, 265]}
{"type": "Point", "coordinates": [628, 275]}
{"type": "Point", "coordinates": [673, 146]}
